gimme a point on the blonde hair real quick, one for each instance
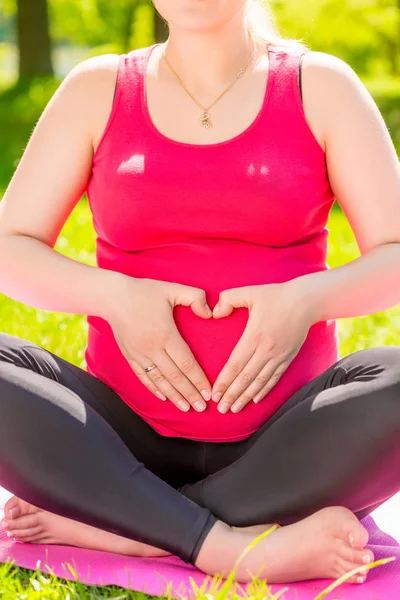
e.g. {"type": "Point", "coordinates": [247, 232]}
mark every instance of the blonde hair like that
{"type": "Point", "coordinates": [261, 24]}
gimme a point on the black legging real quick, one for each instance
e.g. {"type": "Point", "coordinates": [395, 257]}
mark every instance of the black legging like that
{"type": "Point", "coordinates": [70, 445]}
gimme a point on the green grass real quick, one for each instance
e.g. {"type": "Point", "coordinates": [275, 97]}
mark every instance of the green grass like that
{"type": "Point", "coordinates": [65, 335]}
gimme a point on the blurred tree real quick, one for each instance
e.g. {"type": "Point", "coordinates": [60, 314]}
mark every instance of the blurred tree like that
{"type": "Point", "coordinates": [6, 27]}
{"type": "Point", "coordinates": [161, 27]}
{"type": "Point", "coordinates": [33, 38]}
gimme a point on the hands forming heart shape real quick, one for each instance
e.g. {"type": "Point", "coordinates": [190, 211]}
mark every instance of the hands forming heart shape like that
{"type": "Point", "coordinates": [280, 315]}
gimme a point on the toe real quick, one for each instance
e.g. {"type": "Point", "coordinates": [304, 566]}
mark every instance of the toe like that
{"type": "Point", "coordinates": [358, 557]}
{"type": "Point", "coordinates": [26, 535]}
{"type": "Point", "coordinates": [24, 522]}
{"type": "Point", "coordinates": [359, 577]}
{"type": "Point", "coordinates": [358, 536]}
{"type": "Point", "coordinates": [11, 508]}
{"type": "Point", "coordinates": [36, 539]}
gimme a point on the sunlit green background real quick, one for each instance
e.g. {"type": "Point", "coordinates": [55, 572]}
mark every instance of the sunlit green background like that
{"type": "Point", "coordinates": [364, 33]}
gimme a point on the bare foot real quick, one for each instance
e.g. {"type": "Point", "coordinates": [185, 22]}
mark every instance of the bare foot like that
{"type": "Point", "coordinates": [317, 547]}
{"type": "Point", "coordinates": [28, 523]}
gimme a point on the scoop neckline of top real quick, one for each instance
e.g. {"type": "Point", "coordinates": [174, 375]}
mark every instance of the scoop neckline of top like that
{"type": "Point", "coordinates": [239, 136]}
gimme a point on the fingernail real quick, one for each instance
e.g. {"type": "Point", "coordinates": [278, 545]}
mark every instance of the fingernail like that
{"type": "Point", "coordinates": [366, 559]}
{"type": "Point", "coordinates": [4, 524]}
{"type": "Point", "coordinates": [209, 311]}
{"type": "Point", "coordinates": [217, 396]}
{"type": "Point", "coordinates": [183, 405]}
{"type": "Point", "coordinates": [351, 539]}
{"type": "Point", "coordinates": [206, 395]}
{"type": "Point", "coordinates": [199, 405]}
{"type": "Point", "coordinates": [236, 407]}
{"type": "Point", "coordinates": [360, 579]}
{"type": "Point", "coordinates": [223, 408]}
{"type": "Point", "coordinates": [160, 395]}
{"type": "Point", "coordinates": [9, 534]}
{"type": "Point", "coordinates": [13, 512]}
{"type": "Point", "coordinates": [216, 309]}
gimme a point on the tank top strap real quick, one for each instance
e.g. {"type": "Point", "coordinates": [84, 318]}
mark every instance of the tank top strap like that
{"type": "Point", "coordinates": [131, 70]}
{"type": "Point", "coordinates": [285, 66]}
{"type": "Point", "coordinates": [126, 103]}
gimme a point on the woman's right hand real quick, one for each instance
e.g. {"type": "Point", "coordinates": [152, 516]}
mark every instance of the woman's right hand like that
{"type": "Point", "coordinates": [144, 328]}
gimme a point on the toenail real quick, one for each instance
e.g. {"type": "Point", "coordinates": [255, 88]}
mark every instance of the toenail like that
{"type": "Point", "coordinates": [4, 524]}
{"type": "Point", "coordinates": [366, 559]}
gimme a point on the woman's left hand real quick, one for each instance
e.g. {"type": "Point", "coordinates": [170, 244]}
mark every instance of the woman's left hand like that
{"type": "Point", "coordinates": [279, 320]}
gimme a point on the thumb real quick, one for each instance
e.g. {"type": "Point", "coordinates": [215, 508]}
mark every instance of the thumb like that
{"type": "Point", "coordinates": [196, 299]}
{"type": "Point", "coordinates": [228, 300]}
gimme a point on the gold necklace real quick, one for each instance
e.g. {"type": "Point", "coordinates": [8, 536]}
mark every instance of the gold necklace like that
{"type": "Point", "coordinates": [205, 118]}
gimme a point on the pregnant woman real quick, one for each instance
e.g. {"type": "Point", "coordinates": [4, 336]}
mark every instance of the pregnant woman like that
{"type": "Point", "coordinates": [211, 162]}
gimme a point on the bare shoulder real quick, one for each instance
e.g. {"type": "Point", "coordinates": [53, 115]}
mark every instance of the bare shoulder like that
{"type": "Point", "coordinates": [97, 70]}
{"type": "Point", "coordinates": [323, 62]}
{"type": "Point", "coordinates": [326, 72]}
{"type": "Point", "coordinates": [331, 88]}
{"type": "Point", "coordinates": [92, 83]}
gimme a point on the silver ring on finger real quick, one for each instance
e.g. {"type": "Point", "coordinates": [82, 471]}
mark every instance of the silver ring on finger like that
{"type": "Point", "coordinates": [149, 368]}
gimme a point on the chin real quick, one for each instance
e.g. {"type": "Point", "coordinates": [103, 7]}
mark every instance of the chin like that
{"type": "Point", "coordinates": [199, 16]}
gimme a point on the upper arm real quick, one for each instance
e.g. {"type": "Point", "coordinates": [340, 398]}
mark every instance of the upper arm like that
{"type": "Point", "coordinates": [362, 164]}
{"type": "Point", "coordinates": [55, 167]}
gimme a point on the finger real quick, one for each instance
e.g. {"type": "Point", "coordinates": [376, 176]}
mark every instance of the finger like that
{"type": "Point", "coordinates": [144, 378]}
{"type": "Point", "coordinates": [237, 395]}
{"type": "Point", "coordinates": [181, 353]}
{"type": "Point", "coordinates": [273, 376]}
{"type": "Point", "coordinates": [178, 381]}
{"type": "Point", "coordinates": [240, 356]}
{"type": "Point", "coordinates": [158, 379]}
{"type": "Point", "coordinates": [173, 383]}
{"type": "Point", "coordinates": [186, 295]}
{"type": "Point", "coordinates": [229, 300]}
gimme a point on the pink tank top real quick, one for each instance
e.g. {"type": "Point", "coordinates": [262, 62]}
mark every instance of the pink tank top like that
{"type": "Point", "coordinates": [250, 210]}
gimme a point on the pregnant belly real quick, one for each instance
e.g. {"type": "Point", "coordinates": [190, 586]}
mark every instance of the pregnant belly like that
{"type": "Point", "coordinates": [210, 340]}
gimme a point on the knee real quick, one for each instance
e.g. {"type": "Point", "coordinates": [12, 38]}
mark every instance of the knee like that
{"type": "Point", "coordinates": [376, 363]}
{"type": "Point", "coordinates": [377, 370]}
{"type": "Point", "coordinates": [12, 347]}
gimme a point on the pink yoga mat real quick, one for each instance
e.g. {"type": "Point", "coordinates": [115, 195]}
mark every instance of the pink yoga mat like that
{"type": "Point", "coordinates": [154, 576]}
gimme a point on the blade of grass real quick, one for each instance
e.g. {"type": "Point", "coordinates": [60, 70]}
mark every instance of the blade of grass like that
{"type": "Point", "coordinates": [346, 576]}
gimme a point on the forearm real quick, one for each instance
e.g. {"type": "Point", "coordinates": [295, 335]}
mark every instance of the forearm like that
{"type": "Point", "coordinates": [37, 275]}
{"type": "Point", "coordinates": [367, 285]}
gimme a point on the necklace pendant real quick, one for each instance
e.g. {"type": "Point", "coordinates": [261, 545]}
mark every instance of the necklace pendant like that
{"type": "Point", "coordinates": [206, 120]}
